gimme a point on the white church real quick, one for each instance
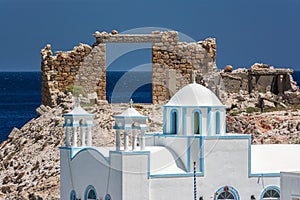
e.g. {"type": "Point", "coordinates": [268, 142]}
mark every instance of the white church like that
{"type": "Point", "coordinates": [194, 157]}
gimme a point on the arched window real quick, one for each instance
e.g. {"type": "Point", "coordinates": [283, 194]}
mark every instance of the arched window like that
{"type": "Point", "coordinates": [218, 122]}
{"type": "Point", "coordinates": [227, 192]}
{"type": "Point", "coordinates": [90, 193]}
{"type": "Point", "coordinates": [73, 195]}
{"type": "Point", "coordinates": [226, 195]}
{"type": "Point", "coordinates": [174, 122]}
{"type": "Point", "coordinates": [271, 193]}
{"type": "Point", "coordinates": [197, 122]}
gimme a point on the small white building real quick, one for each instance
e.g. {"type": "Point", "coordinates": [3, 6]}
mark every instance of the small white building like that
{"type": "Point", "coordinates": [194, 157]}
{"type": "Point", "coordinates": [290, 185]}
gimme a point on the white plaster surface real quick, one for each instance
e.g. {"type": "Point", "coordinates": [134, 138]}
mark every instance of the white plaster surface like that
{"type": "Point", "coordinates": [194, 95]}
{"type": "Point", "coordinates": [290, 185]}
{"type": "Point", "coordinates": [273, 158]}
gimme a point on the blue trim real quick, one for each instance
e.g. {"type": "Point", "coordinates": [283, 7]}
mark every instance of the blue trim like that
{"type": "Point", "coordinates": [233, 136]}
{"type": "Point", "coordinates": [201, 147]}
{"type": "Point", "coordinates": [208, 121]}
{"type": "Point", "coordinates": [134, 153]}
{"type": "Point", "coordinates": [232, 190]}
{"type": "Point", "coordinates": [77, 115]}
{"type": "Point", "coordinates": [188, 144]}
{"type": "Point", "coordinates": [200, 121]}
{"type": "Point", "coordinates": [90, 187]}
{"type": "Point", "coordinates": [75, 151]}
{"type": "Point", "coordinates": [130, 152]}
{"type": "Point", "coordinates": [270, 187]}
{"type": "Point", "coordinates": [72, 193]}
{"type": "Point", "coordinates": [189, 174]}
{"type": "Point", "coordinates": [166, 106]}
{"type": "Point", "coordinates": [172, 126]}
{"type": "Point", "coordinates": [165, 119]}
{"type": "Point", "coordinates": [250, 174]}
{"type": "Point", "coordinates": [224, 121]}
{"type": "Point", "coordinates": [77, 125]}
{"type": "Point", "coordinates": [218, 122]}
{"type": "Point", "coordinates": [264, 175]}
{"type": "Point", "coordinates": [129, 117]}
{"type": "Point", "coordinates": [184, 121]}
{"type": "Point", "coordinates": [129, 128]}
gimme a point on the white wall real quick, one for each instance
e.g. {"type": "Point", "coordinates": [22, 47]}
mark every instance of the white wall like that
{"type": "Point", "coordinates": [290, 185]}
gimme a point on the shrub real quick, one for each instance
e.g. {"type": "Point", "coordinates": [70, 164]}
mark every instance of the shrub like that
{"type": "Point", "coordinates": [76, 90]}
{"type": "Point", "coordinates": [251, 110]}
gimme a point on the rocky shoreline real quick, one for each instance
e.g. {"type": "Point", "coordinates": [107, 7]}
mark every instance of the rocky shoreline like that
{"type": "Point", "coordinates": [29, 167]}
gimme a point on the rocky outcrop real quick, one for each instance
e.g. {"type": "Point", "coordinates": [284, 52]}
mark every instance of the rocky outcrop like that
{"type": "Point", "coordinates": [30, 157]}
{"type": "Point", "coordinates": [278, 127]}
{"type": "Point", "coordinates": [261, 85]}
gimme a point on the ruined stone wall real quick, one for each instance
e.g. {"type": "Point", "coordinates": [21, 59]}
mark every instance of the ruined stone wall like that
{"type": "Point", "coordinates": [85, 66]}
{"type": "Point", "coordinates": [260, 77]}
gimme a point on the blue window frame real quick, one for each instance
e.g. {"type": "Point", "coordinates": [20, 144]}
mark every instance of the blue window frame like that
{"type": "Point", "coordinates": [174, 121]}
{"type": "Point", "coordinates": [73, 195]}
{"type": "Point", "coordinates": [90, 193]}
{"type": "Point", "coordinates": [227, 192]}
{"type": "Point", "coordinates": [197, 122]}
{"type": "Point", "coordinates": [270, 192]}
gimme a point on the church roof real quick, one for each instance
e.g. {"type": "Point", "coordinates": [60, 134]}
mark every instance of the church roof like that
{"type": "Point", "coordinates": [78, 111]}
{"type": "Point", "coordinates": [194, 95]}
{"type": "Point", "coordinates": [129, 113]}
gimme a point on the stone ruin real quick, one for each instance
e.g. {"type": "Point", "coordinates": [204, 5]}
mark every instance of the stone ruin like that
{"type": "Point", "coordinates": [261, 84]}
{"type": "Point", "coordinates": [172, 64]}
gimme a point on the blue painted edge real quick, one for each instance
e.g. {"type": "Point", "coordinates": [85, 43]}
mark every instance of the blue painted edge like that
{"type": "Point", "coordinates": [183, 121]}
{"type": "Point", "coordinates": [88, 188]}
{"type": "Point", "coordinates": [188, 164]}
{"type": "Point", "coordinates": [128, 117]}
{"type": "Point", "coordinates": [148, 153]}
{"type": "Point", "coordinates": [238, 136]}
{"type": "Point", "coordinates": [77, 125]}
{"type": "Point", "coordinates": [200, 121]}
{"type": "Point", "coordinates": [166, 106]}
{"type": "Point", "coordinates": [269, 187]}
{"type": "Point", "coordinates": [218, 122]}
{"type": "Point", "coordinates": [165, 119]}
{"type": "Point", "coordinates": [201, 155]}
{"type": "Point", "coordinates": [189, 174]}
{"type": "Point", "coordinates": [72, 193]}
{"type": "Point", "coordinates": [75, 151]}
{"type": "Point", "coordinates": [129, 128]}
{"type": "Point", "coordinates": [232, 190]}
{"type": "Point", "coordinates": [208, 121]}
{"type": "Point", "coordinates": [174, 132]}
{"type": "Point", "coordinates": [70, 115]}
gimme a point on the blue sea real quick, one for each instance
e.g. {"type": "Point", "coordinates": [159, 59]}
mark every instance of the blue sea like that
{"type": "Point", "coordinates": [20, 94]}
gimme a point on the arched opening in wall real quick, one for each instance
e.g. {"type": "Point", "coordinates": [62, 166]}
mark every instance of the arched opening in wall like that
{"type": "Point", "coordinates": [174, 122]}
{"type": "Point", "coordinates": [73, 195]}
{"type": "Point", "coordinates": [129, 72]}
{"type": "Point", "coordinates": [218, 122]}
{"type": "Point", "coordinates": [90, 193]}
{"type": "Point", "coordinates": [227, 193]}
{"type": "Point", "coordinates": [197, 128]}
{"type": "Point", "coordinates": [271, 193]}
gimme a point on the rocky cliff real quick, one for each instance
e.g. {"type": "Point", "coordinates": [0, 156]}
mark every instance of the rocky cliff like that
{"type": "Point", "coordinates": [29, 167]}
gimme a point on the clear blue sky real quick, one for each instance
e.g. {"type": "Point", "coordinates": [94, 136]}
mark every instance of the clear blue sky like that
{"type": "Point", "coordinates": [246, 31]}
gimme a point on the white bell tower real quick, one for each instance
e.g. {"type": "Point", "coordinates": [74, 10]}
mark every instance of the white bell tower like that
{"type": "Point", "coordinates": [80, 119]}
{"type": "Point", "coordinates": [131, 121]}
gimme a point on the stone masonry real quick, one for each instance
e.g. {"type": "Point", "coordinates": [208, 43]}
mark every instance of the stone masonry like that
{"type": "Point", "coordinates": [85, 66]}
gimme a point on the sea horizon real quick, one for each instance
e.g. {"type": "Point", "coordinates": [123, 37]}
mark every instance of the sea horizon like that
{"type": "Point", "coordinates": [20, 94]}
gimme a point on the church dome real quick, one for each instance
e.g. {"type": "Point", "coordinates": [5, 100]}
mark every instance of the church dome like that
{"type": "Point", "coordinates": [194, 95]}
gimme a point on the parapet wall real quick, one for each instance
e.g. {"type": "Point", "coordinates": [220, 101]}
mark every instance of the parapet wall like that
{"type": "Point", "coordinates": [86, 66]}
